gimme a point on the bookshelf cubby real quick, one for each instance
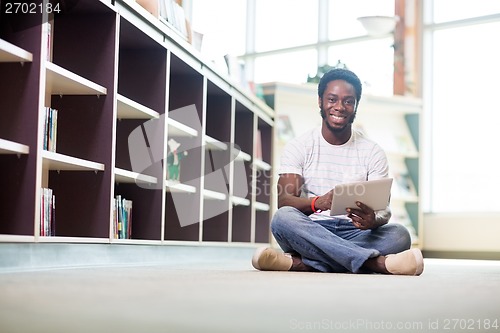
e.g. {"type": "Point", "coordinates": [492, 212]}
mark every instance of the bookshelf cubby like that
{"type": "Point", "coordinates": [124, 85]}
{"type": "Point", "coordinates": [20, 68]}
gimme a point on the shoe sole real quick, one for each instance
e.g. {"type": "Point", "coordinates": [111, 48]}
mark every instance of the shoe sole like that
{"type": "Point", "coordinates": [398, 268]}
{"type": "Point", "coordinates": [271, 261]}
{"type": "Point", "coordinates": [420, 261]}
{"type": "Point", "coordinates": [256, 256]}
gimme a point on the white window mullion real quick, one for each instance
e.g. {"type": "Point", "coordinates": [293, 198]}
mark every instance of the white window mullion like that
{"type": "Point", "coordinates": [250, 39]}
{"type": "Point", "coordinates": [322, 32]}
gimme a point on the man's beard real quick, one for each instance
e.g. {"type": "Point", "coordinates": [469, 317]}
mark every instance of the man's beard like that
{"type": "Point", "coordinates": [334, 129]}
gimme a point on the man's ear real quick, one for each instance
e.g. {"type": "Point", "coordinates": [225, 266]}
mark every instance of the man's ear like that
{"type": "Point", "coordinates": [319, 102]}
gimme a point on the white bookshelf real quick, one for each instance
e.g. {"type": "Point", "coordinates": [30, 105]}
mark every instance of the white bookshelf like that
{"type": "Point", "coordinates": [60, 162]}
{"type": "Point", "coordinates": [238, 201]}
{"type": "Point", "coordinates": [12, 53]}
{"type": "Point", "coordinates": [263, 207]}
{"type": "Point", "coordinates": [10, 147]}
{"type": "Point", "coordinates": [176, 128]}
{"type": "Point", "coordinates": [146, 72]}
{"type": "Point", "coordinates": [214, 195]}
{"type": "Point", "coordinates": [212, 143]}
{"type": "Point", "coordinates": [173, 186]}
{"type": "Point", "coordinates": [129, 109]}
{"type": "Point", "coordinates": [60, 81]}
{"type": "Point", "coordinates": [261, 165]}
{"type": "Point", "coordinates": [244, 156]}
{"type": "Point", "coordinates": [130, 177]}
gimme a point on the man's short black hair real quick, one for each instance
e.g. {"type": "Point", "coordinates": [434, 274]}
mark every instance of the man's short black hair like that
{"type": "Point", "coordinates": [340, 74]}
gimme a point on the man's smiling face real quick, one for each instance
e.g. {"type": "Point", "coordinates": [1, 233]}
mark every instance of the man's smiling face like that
{"type": "Point", "coordinates": [338, 105]}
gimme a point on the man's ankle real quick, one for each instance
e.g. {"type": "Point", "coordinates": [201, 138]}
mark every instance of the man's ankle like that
{"type": "Point", "coordinates": [375, 265]}
{"type": "Point", "coordinates": [299, 266]}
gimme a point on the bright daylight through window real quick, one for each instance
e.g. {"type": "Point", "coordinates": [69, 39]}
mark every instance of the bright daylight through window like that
{"type": "Point", "coordinates": [462, 129]}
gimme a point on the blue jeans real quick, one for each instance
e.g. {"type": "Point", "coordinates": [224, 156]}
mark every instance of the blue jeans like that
{"type": "Point", "coordinates": [335, 245]}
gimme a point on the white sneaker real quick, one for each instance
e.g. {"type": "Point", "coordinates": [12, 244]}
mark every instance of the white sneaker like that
{"type": "Point", "coordinates": [268, 259]}
{"type": "Point", "coordinates": [409, 262]}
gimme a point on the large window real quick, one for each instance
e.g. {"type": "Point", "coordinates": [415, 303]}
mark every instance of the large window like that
{"type": "Point", "coordinates": [450, 10]}
{"type": "Point", "coordinates": [376, 71]}
{"type": "Point", "coordinates": [290, 67]}
{"type": "Point", "coordinates": [285, 23]}
{"type": "Point", "coordinates": [462, 133]}
{"type": "Point", "coordinates": [222, 24]}
{"type": "Point", "coordinates": [343, 16]}
{"type": "Point", "coordinates": [289, 39]}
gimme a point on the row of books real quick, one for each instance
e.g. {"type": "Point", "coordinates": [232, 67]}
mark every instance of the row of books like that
{"type": "Point", "coordinates": [50, 129]}
{"type": "Point", "coordinates": [49, 40]}
{"type": "Point", "coordinates": [173, 13]}
{"type": "Point", "coordinates": [122, 218]}
{"type": "Point", "coordinates": [47, 212]}
{"type": "Point", "coordinates": [170, 13]}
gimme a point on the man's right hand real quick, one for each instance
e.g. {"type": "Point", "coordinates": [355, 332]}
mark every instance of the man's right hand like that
{"type": "Point", "coordinates": [324, 202]}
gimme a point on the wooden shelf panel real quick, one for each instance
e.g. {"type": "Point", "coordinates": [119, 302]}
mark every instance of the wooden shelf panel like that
{"type": "Point", "coordinates": [212, 143]}
{"type": "Point", "coordinates": [242, 156]}
{"type": "Point", "coordinates": [135, 241]}
{"type": "Point", "coordinates": [16, 238]}
{"type": "Point", "coordinates": [64, 239]}
{"type": "Point", "coordinates": [213, 195]}
{"type": "Point", "coordinates": [60, 81]}
{"type": "Point", "coordinates": [260, 206]}
{"type": "Point", "coordinates": [11, 53]}
{"type": "Point", "coordinates": [129, 109]}
{"type": "Point", "coordinates": [176, 128]}
{"type": "Point", "coordinates": [237, 201]}
{"type": "Point", "coordinates": [10, 147]}
{"type": "Point", "coordinates": [179, 187]}
{"type": "Point", "coordinates": [261, 165]}
{"type": "Point", "coordinates": [56, 161]}
{"type": "Point", "coordinates": [130, 177]}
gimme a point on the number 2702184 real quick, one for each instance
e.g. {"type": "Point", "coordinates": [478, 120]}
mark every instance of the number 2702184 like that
{"type": "Point", "coordinates": [31, 8]}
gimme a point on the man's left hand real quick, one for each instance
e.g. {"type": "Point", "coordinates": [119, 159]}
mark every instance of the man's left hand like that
{"type": "Point", "coordinates": [363, 217]}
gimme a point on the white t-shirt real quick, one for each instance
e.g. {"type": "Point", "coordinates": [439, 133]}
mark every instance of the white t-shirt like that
{"type": "Point", "coordinates": [323, 165]}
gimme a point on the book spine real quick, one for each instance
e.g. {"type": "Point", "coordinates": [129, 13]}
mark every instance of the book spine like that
{"type": "Point", "coordinates": [45, 125]}
{"type": "Point", "coordinates": [49, 130]}
{"type": "Point", "coordinates": [115, 220]}
{"type": "Point", "coordinates": [47, 212]}
{"type": "Point", "coordinates": [53, 221]}
{"type": "Point", "coordinates": [49, 41]}
{"type": "Point", "coordinates": [129, 219]}
{"type": "Point", "coordinates": [54, 130]}
{"type": "Point", "coordinates": [122, 218]}
{"type": "Point", "coordinates": [42, 211]}
{"type": "Point", "coordinates": [120, 215]}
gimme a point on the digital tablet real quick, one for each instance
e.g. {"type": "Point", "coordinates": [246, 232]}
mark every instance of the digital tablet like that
{"type": "Point", "coordinates": [373, 193]}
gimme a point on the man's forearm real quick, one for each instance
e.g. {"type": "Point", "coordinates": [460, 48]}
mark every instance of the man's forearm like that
{"type": "Point", "coordinates": [302, 204]}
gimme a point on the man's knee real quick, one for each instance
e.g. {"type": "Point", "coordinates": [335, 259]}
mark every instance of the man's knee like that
{"type": "Point", "coordinates": [283, 217]}
{"type": "Point", "coordinates": [399, 234]}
